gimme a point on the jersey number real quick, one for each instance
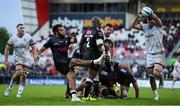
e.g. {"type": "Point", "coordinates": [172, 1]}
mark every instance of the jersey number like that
{"type": "Point", "coordinates": [87, 42]}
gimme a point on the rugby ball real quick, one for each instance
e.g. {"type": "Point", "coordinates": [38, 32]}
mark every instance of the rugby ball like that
{"type": "Point", "coordinates": [146, 11]}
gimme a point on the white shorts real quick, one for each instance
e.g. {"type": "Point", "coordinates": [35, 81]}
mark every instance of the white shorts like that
{"type": "Point", "coordinates": [151, 59]}
{"type": "Point", "coordinates": [27, 63]}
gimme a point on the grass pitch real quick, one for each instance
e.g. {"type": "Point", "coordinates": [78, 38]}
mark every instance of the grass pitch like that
{"type": "Point", "coordinates": [54, 95]}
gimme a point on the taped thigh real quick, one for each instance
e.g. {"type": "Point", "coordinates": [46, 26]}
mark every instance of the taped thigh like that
{"type": "Point", "coordinates": [157, 69]}
{"type": "Point", "coordinates": [19, 68]}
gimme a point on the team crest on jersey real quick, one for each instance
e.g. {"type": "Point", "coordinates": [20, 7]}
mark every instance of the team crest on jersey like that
{"type": "Point", "coordinates": [88, 32]}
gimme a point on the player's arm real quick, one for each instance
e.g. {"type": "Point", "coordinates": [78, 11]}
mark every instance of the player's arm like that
{"type": "Point", "coordinates": [34, 52]}
{"type": "Point", "coordinates": [45, 46]}
{"type": "Point", "coordinates": [125, 67]}
{"type": "Point", "coordinates": [6, 53]}
{"type": "Point", "coordinates": [7, 49]}
{"type": "Point", "coordinates": [135, 24]}
{"type": "Point", "coordinates": [136, 88]}
{"type": "Point", "coordinates": [157, 20]}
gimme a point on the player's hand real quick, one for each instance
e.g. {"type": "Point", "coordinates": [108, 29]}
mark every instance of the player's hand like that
{"type": "Point", "coordinates": [140, 14]}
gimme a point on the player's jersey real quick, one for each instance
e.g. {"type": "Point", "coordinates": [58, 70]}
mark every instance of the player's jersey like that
{"type": "Point", "coordinates": [124, 78]}
{"type": "Point", "coordinates": [176, 70]}
{"type": "Point", "coordinates": [88, 40]}
{"type": "Point", "coordinates": [107, 77]}
{"type": "Point", "coordinates": [153, 38]}
{"type": "Point", "coordinates": [21, 47]}
{"type": "Point", "coordinates": [59, 47]}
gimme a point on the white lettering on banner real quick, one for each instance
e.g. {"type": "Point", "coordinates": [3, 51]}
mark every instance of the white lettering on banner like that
{"type": "Point", "coordinates": [76, 23]}
{"type": "Point", "coordinates": [47, 81]}
{"type": "Point", "coordinates": [141, 83]}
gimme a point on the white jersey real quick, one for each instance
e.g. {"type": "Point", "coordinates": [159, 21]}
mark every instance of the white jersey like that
{"type": "Point", "coordinates": [176, 70]}
{"type": "Point", "coordinates": [22, 49]}
{"type": "Point", "coordinates": [153, 38]}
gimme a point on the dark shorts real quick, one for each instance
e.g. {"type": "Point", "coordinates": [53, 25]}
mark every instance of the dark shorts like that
{"type": "Point", "coordinates": [63, 65]}
{"type": "Point", "coordinates": [91, 55]}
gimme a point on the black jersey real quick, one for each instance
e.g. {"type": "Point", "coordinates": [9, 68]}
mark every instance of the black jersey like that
{"type": "Point", "coordinates": [59, 47]}
{"type": "Point", "coordinates": [88, 40]}
{"type": "Point", "coordinates": [108, 77]}
{"type": "Point", "coordinates": [124, 78]}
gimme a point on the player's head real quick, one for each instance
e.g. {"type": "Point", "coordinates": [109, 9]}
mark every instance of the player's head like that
{"type": "Point", "coordinates": [20, 29]}
{"type": "Point", "coordinates": [151, 21]}
{"type": "Point", "coordinates": [59, 30]}
{"type": "Point", "coordinates": [96, 21]}
{"type": "Point", "coordinates": [108, 30]}
{"type": "Point", "coordinates": [108, 43]}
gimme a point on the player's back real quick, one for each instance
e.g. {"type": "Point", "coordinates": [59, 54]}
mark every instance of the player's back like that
{"type": "Point", "coordinates": [89, 39]}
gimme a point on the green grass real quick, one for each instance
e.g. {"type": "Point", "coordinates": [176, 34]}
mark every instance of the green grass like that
{"type": "Point", "coordinates": [53, 95]}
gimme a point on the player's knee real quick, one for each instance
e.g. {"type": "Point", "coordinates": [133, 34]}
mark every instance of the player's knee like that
{"type": "Point", "coordinates": [157, 70]}
{"type": "Point", "coordinates": [105, 92]}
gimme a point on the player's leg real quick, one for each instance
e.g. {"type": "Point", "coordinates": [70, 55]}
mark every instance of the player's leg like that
{"type": "Point", "coordinates": [154, 88]}
{"type": "Point", "coordinates": [22, 82]}
{"type": "Point", "coordinates": [13, 80]}
{"type": "Point", "coordinates": [67, 94]}
{"type": "Point", "coordinates": [161, 80]}
{"type": "Point", "coordinates": [96, 85]}
{"type": "Point", "coordinates": [72, 86]}
{"type": "Point", "coordinates": [89, 84]}
{"type": "Point", "coordinates": [21, 85]}
{"type": "Point", "coordinates": [81, 86]}
{"type": "Point", "coordinates": [173, 82]}
{"type": "Point", "coordinates": [153, 83]}
{"type": "Point", "coordinates": [86, 63]}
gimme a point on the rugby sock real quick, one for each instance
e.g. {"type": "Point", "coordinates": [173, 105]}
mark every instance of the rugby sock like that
{"type": "Point", "coordinates": [74, 93]}
{"type": "Point", "coordinates": [155, 92]}
{"type": "Point", "coordinates": [21, 88]}
{"type": "Point", "coordinates": [11, 84]}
